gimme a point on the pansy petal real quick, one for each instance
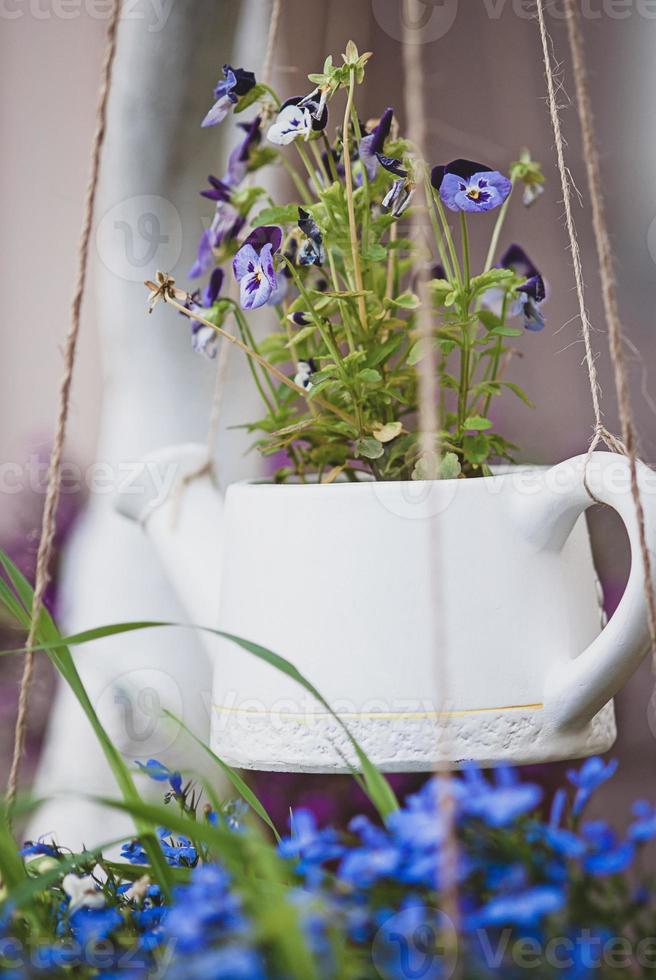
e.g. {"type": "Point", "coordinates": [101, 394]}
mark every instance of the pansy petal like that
{"type": "Point", "coordinates": [515, 258]}
{"type": "Point", "coordinates": [466, 168]}
{"type": "Point", "coordinates": [437, 176]}
{"type": "Point", "coordinates": [213, 288]}
{"type": "Point", "coordinates": [254, 290]}
{"type": "Point", "coordinates": [245, 262]}
{"type": "Point", "coordinates": [452, 188]}
{"type": "Point", "coordinates": [266, 265]}
{"type": "Point", "coordinates": [265, 235]}
{"type": "Point", "coordinates": [218, 112]}
{"type": "Point", "coordinates": [205, 256]}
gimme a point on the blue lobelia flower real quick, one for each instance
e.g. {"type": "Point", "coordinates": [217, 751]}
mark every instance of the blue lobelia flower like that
{"type": "Point", "coordinates": [205, 910]}
{"type": "Point", "coordinates": [643, 827]}
{"type": "Point", "coordinates": [237, 82]}
{"type": "Point", "coordinates": [592, 774]}
{"type": "Point", "coordinates": [308, 844]}
{"type": "Point", "coordinates": [501, 803]}
{"type": "Point", "coordinates": [158, 771]}
{"type": "Point", "coordinates": [254, 269]}
{"type": "Point", "coordinates": [464, 185]}
{"type": "Point", "coordinates": [524, 908]}
{"type": "Point", "coordinates": [39, 848]}
{"type": "Point", "coordinates": [230, 962]}
{"type": "Point", "coordinates": [298, 118]}
{"type": "Point", "coordinates": [607, 855]}
{"type": "Point", "coordinates": [372, 145]}
{"type": "Point", "coordinates": [89, 924]}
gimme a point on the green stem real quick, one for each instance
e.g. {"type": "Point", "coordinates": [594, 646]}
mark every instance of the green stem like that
{"type": "Point", "coordinates": [496, 234]}
{"type": "Point", "coordinates": [439, 233]}
{"type": "Point", "coordinates": [247, 337]}
{"type": "Point", "coordinates": [495, 360]}
{"type": "Point", "coordinates": [331, 160]}
{"type": "Point", "coordinates": [447, 234]}
{"type": "Point", "coordinates": [353, 229]}
{"type": "Point", "coordinates": [303, 192]}
{"type": "Point", "coordinates": [466, 264]}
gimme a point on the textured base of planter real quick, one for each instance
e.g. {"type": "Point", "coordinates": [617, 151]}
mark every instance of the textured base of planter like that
{"type": "Point", "coordinates": [410, 742]}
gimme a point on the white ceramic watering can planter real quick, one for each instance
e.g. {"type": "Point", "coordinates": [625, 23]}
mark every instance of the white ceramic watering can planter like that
{"type": "Point", "coordinates": [443, 621]}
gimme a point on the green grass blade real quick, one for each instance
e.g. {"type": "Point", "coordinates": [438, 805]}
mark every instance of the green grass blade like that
{"type": "Point", "coordinates": [378, 788]}
{"type": "Point", "coordinates": [50, 639]}
{"type": "Point", "coordinates": [232, 775]}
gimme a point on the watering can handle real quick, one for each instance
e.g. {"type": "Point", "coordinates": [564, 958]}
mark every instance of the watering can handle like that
{"type": "Point", "coordinates": [577, 689]}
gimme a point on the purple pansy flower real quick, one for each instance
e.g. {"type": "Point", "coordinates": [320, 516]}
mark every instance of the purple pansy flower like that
{"type": "Point", "coordinates": [240, 155]}
{"type": "Point", "coordinates": [227, 221]}
{"type": "Point", "coordinates": [464, 185]}
{"type": "Point", "coordinates": [254, 269]}
{"type": "Point", "coordinates": [237, 82]}
{"type": "Point", "coordinates": [531, 294]}
{"type": "Point", "coordinates": [204, 339]}
{"type": "Point", "coordinates": [372, 145]}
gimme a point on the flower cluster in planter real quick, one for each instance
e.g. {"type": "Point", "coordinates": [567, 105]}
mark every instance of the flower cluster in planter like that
{"type": "Point", "coordinates": [557, 897]}
{"type": "Point", "coordinates": [336, 268]}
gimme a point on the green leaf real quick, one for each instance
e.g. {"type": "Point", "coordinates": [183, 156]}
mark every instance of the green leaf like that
{"type": "Point", "coordinates": [477, 422]}
{"type": "Point", "coordinates": [504, 331]}
{"type": "Point", "coordinates": [282, 215]}
{"type": "Point", "coordinates": [516, 390]}
{"type": "Point", "coordinates": [369, 448]}
{"type": "Point", "coordinates": [375, 253]}
{"type": "Point", "coordinates": [489, 319]}
{"type": "Point", "coordinates": [302, 335]}
{"type": "Point", "coordinates": [449, 467]}
{"type": "Point", "coordinates": [369, 376]}
{"type": "Point", "coordinates": [476, 448]}
{"type": "Point", "coordinates": [253, 95]}
{"type": "Point", "coordinates": [406, 301]}
{"type": "Point", "coordinates": [389, 431]}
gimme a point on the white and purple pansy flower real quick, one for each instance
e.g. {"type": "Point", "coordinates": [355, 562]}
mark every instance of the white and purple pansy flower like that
{"type": "Point", "coordinates": [398, 196]}
{"type": "Point", "coordinates": [372, 145]}
{"type": "Point", "coordinates": [236, 82]}
{"type": "Point", "coordinates": [254, 269]}
{"type": "Point", "coordinates": [297, 119]}
{"type": "Point", "coordinates": [464, 185]}
{"type": "Point", "coordinates": [204, 339]}
{"type": "Point", "coordinates": [304, 372]}
{"type": "Point", "coordinates": [312, 251]}
{"type": "Point", "coordinates": [530, 295]}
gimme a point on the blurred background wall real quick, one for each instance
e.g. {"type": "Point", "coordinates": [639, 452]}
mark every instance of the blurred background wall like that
{"type": "Point", "coordinates": [485, 98]}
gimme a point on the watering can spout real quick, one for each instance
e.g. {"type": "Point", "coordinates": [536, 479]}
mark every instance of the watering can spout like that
{"type": "Point", "coordinates": [181, 510]}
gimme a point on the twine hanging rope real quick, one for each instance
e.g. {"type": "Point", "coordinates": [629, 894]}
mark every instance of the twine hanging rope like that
{"type": "Point", "coordinates": [628, 445]}
{"type": "Point", "coordinates": [214, 420]}
{"type": "Point", "coordinates": [609, 290]}
{"type": "Point", "coordinates": [48, 525]}
{"type": "Point", "coordinates": [428, 420]}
